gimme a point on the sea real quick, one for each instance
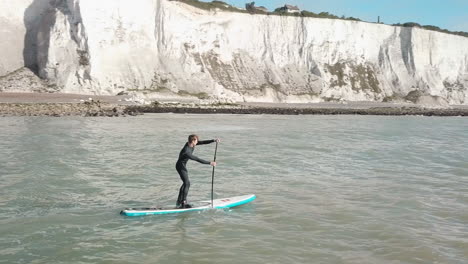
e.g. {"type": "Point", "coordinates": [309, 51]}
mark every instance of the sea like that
{"type": "Point", "coordinates": [330, 189]}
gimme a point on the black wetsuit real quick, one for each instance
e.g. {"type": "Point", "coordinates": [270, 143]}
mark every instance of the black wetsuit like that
{"type": "Point", "coordinates": [181, 166]}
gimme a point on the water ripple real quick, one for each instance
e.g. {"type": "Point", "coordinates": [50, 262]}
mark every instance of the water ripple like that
{"type": "Point", "coordinates": [331, 189]}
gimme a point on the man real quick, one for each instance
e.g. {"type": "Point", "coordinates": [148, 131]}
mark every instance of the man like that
{"type": "Point", "coordinates": [181, 166]}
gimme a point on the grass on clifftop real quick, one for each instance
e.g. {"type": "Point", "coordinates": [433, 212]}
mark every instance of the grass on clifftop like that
{"type": "Point", "coordinates": [226, 7]}
{"type": "Point", "coordinates": [432, 28]}
{"type": "Point", "coordinates": [212, 5]}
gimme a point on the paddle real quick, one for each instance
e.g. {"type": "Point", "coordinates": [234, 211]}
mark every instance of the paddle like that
{"type": "Point", "coordinates": [212, 175]}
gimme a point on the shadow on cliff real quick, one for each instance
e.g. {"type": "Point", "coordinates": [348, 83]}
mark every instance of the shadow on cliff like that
{"type": "Point", "coordinates": [406, 42]}
{"type": "Point", "coordinates": [33, 16]}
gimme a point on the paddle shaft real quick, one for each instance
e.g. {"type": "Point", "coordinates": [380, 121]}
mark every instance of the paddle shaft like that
{"type": "Point", "coordinates": [212, 174]}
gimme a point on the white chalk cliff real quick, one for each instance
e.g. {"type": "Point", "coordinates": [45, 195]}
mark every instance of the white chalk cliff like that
{"type": "Point", "coordinates": [166, 49]}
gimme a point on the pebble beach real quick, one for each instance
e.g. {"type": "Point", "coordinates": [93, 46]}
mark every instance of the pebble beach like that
{"type": "Point", "coordinates": [59, 104]}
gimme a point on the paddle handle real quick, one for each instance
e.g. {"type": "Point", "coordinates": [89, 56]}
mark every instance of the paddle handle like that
{"type": "Point", "coordinates": [212, 174]}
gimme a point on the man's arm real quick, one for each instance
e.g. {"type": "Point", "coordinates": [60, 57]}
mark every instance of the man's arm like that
{"type": "Point", "coordinates": [195, 158]}
{"type": "Point", "coordinates": [204, 142]}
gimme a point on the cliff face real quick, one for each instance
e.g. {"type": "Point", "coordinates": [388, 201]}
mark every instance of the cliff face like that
{"type": "Point", "coordinates": [164, 48]}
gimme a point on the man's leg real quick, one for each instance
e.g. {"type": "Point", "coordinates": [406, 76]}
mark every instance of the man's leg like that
{"type": "Point", "coordinates": [183, 192]}
{"type": "Point", "coordinates": [180, 197]}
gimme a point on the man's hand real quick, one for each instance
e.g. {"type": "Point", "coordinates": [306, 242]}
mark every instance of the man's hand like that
{"type": "Point", "coordinates": [217, 140]}
{"type": "Point", "coordinates": [213, 163]}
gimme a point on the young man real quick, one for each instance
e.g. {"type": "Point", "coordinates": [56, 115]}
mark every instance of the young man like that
{"type": "Point", "coordinates": [181, 166]}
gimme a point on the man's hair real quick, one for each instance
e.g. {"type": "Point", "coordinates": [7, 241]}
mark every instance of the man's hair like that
{"type": "Point", "coordinates": [192, 138]}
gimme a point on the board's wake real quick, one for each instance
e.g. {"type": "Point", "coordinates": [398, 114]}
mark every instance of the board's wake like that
{"type": "Point", "coordinates": [196, 206]}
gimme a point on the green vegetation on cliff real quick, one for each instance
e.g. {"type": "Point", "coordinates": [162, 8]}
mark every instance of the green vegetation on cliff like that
{"type": "Point", "coordinates": [433, 28]}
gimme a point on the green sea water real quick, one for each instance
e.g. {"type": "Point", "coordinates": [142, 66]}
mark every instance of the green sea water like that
{"type": "Point", "coordinates": [330, 189]}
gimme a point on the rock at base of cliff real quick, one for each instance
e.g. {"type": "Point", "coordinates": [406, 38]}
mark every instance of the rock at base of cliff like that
{"type": "Point", "coordinates": [24, 80]}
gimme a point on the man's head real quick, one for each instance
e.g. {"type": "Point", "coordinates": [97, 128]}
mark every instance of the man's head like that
{"type": "Point", "coordinates": [193, 139]}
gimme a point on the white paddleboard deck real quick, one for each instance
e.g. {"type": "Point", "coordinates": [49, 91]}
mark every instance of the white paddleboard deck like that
{"type": "Point", "coordinates": [197, 206]}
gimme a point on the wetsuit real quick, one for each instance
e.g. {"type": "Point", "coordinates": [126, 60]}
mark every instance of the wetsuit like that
{"type": "Point", "coordinates": [181, 166]}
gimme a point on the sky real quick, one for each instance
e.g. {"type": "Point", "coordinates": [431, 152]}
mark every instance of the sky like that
{"type": "Point", "coordinates": [446, 14]}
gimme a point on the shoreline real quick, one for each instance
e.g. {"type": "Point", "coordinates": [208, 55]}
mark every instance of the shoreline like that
{"type": "Point", "coordinates": [57, 105]}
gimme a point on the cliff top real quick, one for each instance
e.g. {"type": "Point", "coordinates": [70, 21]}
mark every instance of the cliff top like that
{"type": "Point", "coordinates": [304, 13]}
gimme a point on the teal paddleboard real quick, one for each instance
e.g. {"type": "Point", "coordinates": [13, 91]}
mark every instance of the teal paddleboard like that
{"type": "Point", "coordinates": [196, 206]}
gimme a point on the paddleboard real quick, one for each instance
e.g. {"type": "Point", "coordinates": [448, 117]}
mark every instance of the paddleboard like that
{"type": "Point", "coordinates": [197, 206]}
